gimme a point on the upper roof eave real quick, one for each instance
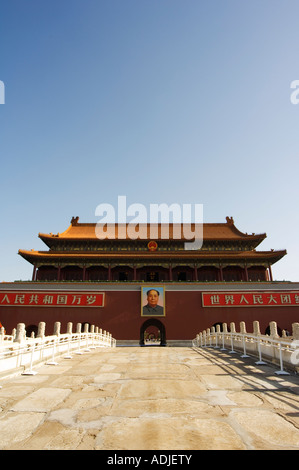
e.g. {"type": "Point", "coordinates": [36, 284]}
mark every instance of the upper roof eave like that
{"type": "Point", "coordinates": [209, 231]}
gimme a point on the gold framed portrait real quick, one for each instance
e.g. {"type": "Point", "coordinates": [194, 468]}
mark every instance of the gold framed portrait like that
{"type": "Point", "coordinates": [152, 301]}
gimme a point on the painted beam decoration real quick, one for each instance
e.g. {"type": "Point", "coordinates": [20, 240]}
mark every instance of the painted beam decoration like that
{"type": "Point", "coordinates": [51, 299]}
{"type": "Point", "coordinates": [250, 299]}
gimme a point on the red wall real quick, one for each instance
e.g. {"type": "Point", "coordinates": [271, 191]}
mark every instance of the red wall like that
{"type": "Point", "coordinates": [121, 315]}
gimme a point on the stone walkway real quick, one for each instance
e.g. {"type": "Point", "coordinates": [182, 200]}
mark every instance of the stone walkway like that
{"type": "Point", "coordinates": [150, 398]}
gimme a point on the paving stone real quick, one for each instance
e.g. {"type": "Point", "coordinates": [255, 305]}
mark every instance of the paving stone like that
{"type": "Point", "coordinates": [221, 382]}
{"type": "Point", "coordinates": [15, 427]}
{"type": "Point", "coordinates": [169, 434]}
{"type": "Point", "coordinates": [42, 400]}
{"type": "Point", "coordinates": [153, 399]}
{"type": "Point", "coordinates": [245, 399]}
{"type": "Point", "coordinates": [267, 427]}
{"type": "Point", "coordinates": [107, 377]}
{"type": "Point", "coordinates": [52, 436]}
{"type": "Point", "coordinates": [219, 397]}
{"type": "Point", "coordinates": [161, 389]}
{"type": "Point", "coordinates": [165, 406]}
{"type": "Point", "coordinates": [68, 381]}
{"type": "Point", "coordinates": [15, 390]}
{"type": "Point", "coordinates": [172, 371]}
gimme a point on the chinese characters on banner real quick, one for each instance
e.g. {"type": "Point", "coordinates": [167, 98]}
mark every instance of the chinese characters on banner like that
{"type": "Point", "coordinates": [252, 299]}
{"type": "Point", "coordinates": [52, 299]}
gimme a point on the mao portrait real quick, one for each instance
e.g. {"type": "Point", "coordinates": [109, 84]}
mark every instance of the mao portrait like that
{"type": "Point", "coordinates": [152, 301]}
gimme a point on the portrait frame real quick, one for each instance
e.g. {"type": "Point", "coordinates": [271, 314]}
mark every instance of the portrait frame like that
{"type": "Point", "coordinates": [145, 310]}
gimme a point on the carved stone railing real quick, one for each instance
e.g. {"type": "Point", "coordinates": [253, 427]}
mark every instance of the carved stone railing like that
{"type": "Point", "coordinates": [283, 350]}
{"type": "Point", "coordinates": [20, 354]}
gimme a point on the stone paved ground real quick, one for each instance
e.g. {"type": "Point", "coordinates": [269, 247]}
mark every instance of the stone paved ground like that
{"type": "Point", "coordinates": [150, 398]}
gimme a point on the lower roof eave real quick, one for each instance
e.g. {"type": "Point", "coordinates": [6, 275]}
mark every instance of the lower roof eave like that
{"type": "Point", "coordinates": [270, 257]}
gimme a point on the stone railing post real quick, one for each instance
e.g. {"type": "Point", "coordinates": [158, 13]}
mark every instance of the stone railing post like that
{"type": "Point", "coordinates": [212, 334]}
{"type": "Point", "coordinates": [204, 335]}
{"type": "Point", "coordinates": [69, 328]}
{"type": "Point", "coordinates": [257, 332]}
{"type": "Point", "coordinates": [243, 328]}
{"type": "Point", "coordinates": [217, 335]}
{"type": "Point", "coordinates": [41, 330]}
{"type": "Point", "coordinates": [273, 330]}
{"type": "Point", "coordinates": [276, 349]}
{"type": "Point", "coordinates": [295, 331]}
{"type": "Point", "coordinates": [243, 333]}
{"type": "Point", "coordinates": [256, 328]}
{"type": "Point", "coordinates": [57, 325]}
{"type": "Point", "coordinates": [232, 339]}
{"type": "Point", "coordinates": [2, 333]}
{"type": "Point", "coordinates": [21, 333]}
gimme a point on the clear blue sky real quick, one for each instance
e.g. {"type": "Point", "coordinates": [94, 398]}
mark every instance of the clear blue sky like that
{"type": "Point", "coordinates": [164, 101]}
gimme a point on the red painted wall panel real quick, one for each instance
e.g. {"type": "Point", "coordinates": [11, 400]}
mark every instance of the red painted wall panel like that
{"type": "Point", "coordinates": [121, 315]}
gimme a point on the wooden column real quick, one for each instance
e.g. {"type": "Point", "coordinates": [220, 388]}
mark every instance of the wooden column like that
{"type": "Point", "coordinates": [246, 273]}
{"type": "Point", "coordinates": [34, 273]}
{"type": "Point", "coordinates": [221, 272]}
{"type": "Point", "coordinates": [170, 272]}
{"type": "Point", "coordinates": [195, 274]}
{"type": "Point", "coordinates": [270, 272]}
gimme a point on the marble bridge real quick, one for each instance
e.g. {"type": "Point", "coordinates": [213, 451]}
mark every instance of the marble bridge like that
{"type": "Point", "coordinates": [99, 397]}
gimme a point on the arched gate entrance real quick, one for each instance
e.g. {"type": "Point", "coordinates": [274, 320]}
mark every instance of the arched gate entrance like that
{"type": "Point", "coordinates": [152, 329]}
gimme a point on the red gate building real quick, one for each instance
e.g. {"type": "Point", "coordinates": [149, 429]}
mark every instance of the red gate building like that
{"type": "Point", "coordinates": [150, 288]}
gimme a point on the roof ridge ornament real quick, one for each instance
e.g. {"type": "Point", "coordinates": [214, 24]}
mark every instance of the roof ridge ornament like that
{"type": "Point", "coordinates": [230, 220]}
{"type": "Point", "coordinates": [75, 220]}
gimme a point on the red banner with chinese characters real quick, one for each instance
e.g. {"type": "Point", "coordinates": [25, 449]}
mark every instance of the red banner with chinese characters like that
{"type": "Point", "coordinates": [250, 299]}
{"type": "Point", "coordinates": [51, 299]}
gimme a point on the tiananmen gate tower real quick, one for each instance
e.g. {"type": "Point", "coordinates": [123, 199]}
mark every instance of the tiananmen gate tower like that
{"type": "Point", "coordinates": [150, 287]}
